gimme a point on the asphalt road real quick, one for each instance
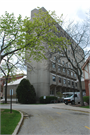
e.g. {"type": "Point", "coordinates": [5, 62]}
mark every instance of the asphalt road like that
{"type": "Point", "coordinates": [49, 119]}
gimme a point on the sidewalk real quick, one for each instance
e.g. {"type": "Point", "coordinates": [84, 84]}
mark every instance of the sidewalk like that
{"type": "Point", "coordinates": [72, 107]}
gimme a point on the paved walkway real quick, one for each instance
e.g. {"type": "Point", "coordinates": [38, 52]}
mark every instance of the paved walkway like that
{"type": "Point", "coordinates": [71, 107]}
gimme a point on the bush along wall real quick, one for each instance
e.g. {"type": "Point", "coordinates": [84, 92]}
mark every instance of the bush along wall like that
{"type": "Point", "coordinates": [86, 99]}
{"type": "Point", "coordinates": [26, 92]}
{"type": "Point", "coordinates": [47, 100]}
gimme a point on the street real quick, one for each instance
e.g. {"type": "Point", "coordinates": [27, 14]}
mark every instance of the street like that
{"type": "Point", "coordinates": [50, 119]}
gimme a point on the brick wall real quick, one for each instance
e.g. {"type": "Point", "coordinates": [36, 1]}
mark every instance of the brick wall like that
{"type": "Point", "coordinates": [87, 87]}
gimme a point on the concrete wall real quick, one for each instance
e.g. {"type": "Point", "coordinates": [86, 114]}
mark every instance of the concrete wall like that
{"type": "Point", "coordinates": [39, 77]}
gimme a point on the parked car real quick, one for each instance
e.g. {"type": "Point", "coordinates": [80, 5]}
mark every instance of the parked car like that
{"type": "Point", "coordinates": [70, 96]}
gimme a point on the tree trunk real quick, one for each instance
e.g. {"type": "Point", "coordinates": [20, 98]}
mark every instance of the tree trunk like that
{"type": "Point", "coordinates": [6, 90]}
{"type": "Point", "coordinates": [81, 92]}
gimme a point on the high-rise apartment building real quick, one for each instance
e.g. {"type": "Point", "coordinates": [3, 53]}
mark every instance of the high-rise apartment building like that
{"type": "Point", "coordinates": [52, 75]}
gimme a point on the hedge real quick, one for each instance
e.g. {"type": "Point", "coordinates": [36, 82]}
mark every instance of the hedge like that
{"type": "Point", "coordinates": [86, 99]}
{"type": "Point", "coordinates": [47, 100]}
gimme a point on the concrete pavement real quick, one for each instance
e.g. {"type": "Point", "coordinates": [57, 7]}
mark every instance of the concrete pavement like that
{"type": "Point", "coordinates": [57, 106]}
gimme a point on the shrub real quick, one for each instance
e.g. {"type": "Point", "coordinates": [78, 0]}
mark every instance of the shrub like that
{"type": "Point", "coordinates": [86, 99]}
{"type": "Point", "coordinates": [26, 92]}
{"type": "Point", "coordinates": [47, 100]}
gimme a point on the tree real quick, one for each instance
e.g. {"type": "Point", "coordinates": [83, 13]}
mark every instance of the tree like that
{"type": "Point", "coordinates": [17, 35]}
{"type": "Point", "coordinates": [26, 92]}
{"type": "Point", "coordinates": [79, 34]}
{"type": "Point", "coordinates": [8, 69]}
{"type": "Point", "coordinates": [59, 94]}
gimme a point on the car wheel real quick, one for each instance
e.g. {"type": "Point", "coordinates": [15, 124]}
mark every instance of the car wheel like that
{"type": "Point", "coordinates": [66, 103]}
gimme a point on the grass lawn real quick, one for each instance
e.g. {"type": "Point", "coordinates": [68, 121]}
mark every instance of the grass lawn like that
{"type": "Point", "coordinates": [9, 120]}
{"type": "Point", "coordinates": [85, 106]}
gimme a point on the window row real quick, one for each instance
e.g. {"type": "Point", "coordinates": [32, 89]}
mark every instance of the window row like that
{"type": "Point", "coordinates": [64, 81]}
{"type": "Point", "coordinates": [63, 70]}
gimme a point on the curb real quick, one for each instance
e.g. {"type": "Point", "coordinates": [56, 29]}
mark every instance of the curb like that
{"type": "Point", "coordinates": [85, 111]}
{"type": "Point", "coordinates": [18, 125]}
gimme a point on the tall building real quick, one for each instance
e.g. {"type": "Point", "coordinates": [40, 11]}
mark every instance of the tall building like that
{"type": "Point", "coordinates": [52, 75]}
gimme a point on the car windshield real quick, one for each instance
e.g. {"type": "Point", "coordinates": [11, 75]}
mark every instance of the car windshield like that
{"type": "Point", "coordinates": [68, 95]}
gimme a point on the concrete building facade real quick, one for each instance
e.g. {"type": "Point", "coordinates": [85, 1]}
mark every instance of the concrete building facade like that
{"type": "Point", "coordinates": [50, 76]}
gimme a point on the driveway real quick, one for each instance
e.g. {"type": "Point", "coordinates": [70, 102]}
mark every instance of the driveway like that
{"type": "Point", "coordinates": [53, 119]}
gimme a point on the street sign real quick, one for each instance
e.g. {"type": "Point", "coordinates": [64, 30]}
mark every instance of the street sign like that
{"type": "Point", "coordinates": [44, 97]}
{"type": "Point", "coordinates": [11, 92]}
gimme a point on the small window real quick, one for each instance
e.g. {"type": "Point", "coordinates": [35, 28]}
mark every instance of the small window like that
{"type": "Point", "coordinates": [75, 75]}
{"type": "Point", "coordinates": [76, 85]}
{"type": "Point", "coordinates": [50, 55]}
{"type": "Point", "coordinates": [63, 70]}
{"type": "Point", "coordinates": [68, 51]}
{"type": "Point", "coordinates": [59, 80]}
{"type": "Point", "coordinates": [54, 57]}
{"type": "Point", "coordinates": [54, 78]}
{"type": "Point", "coordinates": [68, 72]}
{"type": "Point", "coordinates": [72, 83]}
{"type": "Point", "coordinates": [68, 82]}
{"type": "Point", "coordinates": [59, 68]}
{"type": "Point", "coordinates": [51, 92]}
{"type": "Point", "coordinates": [66, 64]}
{"type": "Point", "coordinates": [64, 81]}
{"type": "Point", "coordinates": [63, 62]}
{"type": "Point", "coordinates": [71, 73]}
{"type": "Point", "coordinates": [53, 65]}
{"type": "Point", "coordinates": [58, 60]}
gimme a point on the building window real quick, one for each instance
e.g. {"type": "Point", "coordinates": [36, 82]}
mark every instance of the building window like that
{"type": "Point", "coordinates": [63, 62]}
{"type": "Point", "coordinates": [68, 51]}
{"type": "Point", "coordinates": [69, 66]}
{"type": "Point", "coordinates": [54, 78]}
{"type": "Point", "coordinates": [50, 55]}
{"type": "Point", "coordinates": [59, 80]}
{"type": "Point", "coordinates": [71, 73]}
{"type": "Point", "coordinates": [72, 60]}
{"type": "Point", "coordinates": [63, 70]}
{"type": "Point", "coordinates": [68, 82]}
{"type": "Point", "coordinates": [51, 92]}
{"type": "Point", "coordinates": [73, 84]}
{"type": "Point", "coordinates": [76, 85]}
{"type": "Point", "coordinates": [59, 68]}
{"type": "Point", "coordinates": [53, 65]}
{"type": "Point", "coordinates": [66, 64]}
{"type": "Point", "coordinates": [55, 58]}
{"type": "Point", "coordinates": [64, 81]}
{"type": "Point", "coordinates": [75, 75]}
{"type": "Point", "coordinates": [68, 72]}
{"type": "Point", "coordinates": [58, 60]}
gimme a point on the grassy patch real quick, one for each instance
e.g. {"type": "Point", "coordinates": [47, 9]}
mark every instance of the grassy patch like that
{"type": "Point", "coordinates": [85, 107]}
{"type": "Point", "coordinates": [9, 120]}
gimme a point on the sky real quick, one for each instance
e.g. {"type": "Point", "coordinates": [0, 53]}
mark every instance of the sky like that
{"type": "Point", "coordinates": [74, 9]}
{"type": "Point", "coordinates": [71, 9]}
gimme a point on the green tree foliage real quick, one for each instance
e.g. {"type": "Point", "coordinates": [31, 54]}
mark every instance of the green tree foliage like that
{"type": "Point", "coordinates": [59, 94]}
{"type": "Point", "coordinates": [26, 92]}
{"type": "Point", "coordinates": [18, 35]}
